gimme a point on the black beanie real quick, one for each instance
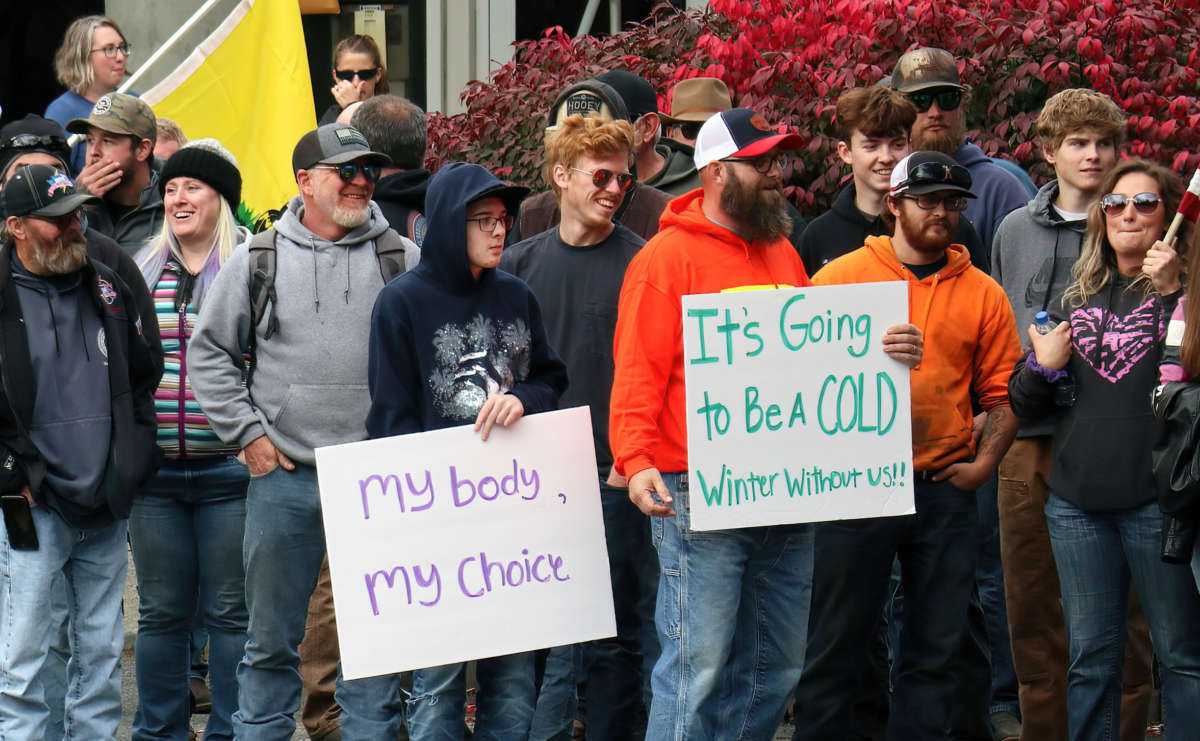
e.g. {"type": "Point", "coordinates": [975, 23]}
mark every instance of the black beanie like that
{"type": "Point", "coordinates": [210, 163]}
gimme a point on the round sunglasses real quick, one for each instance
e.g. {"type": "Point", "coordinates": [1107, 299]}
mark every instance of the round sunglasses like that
{"type": "Point", "coordinates": [349, 170]}
{"type": "Point", "coordinates": [362, 74]}
{"type": "Point", "coordinates": [1145, 203]}
{"type": "Point", "coordinates": [601, 178]}
{"type": "Point", "coordinates": [947, 100]}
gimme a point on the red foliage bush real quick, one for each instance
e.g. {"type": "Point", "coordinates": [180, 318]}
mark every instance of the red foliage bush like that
{"type": "Point", "coordinates": [790, 60]}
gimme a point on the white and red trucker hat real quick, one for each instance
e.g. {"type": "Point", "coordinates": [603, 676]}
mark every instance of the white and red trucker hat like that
{"type": "Point", "coordinates": [738, 132]}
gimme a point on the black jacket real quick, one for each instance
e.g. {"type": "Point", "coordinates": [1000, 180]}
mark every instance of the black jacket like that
{"type": "Point", "coordinates": [134, 370]}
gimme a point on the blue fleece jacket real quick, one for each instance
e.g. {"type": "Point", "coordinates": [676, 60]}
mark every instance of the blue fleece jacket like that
{"type": "Point", "coordinates": [442, 341]}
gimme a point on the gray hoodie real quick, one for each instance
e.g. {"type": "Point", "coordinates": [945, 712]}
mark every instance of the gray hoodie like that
{"type": "Point", "coordinates": [310, 383]}
{"type": "Point", "coordinates": [1032, 256]}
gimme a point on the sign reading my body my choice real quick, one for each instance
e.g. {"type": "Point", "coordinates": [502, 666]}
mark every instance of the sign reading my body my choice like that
{"type": "Point", "coordinates": [795, 413]}
{"type": "Point", "coordinates": [445, 548]}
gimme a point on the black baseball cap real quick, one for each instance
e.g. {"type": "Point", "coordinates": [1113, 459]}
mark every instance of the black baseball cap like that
{"type": "Point", "coordinates": [32, 134]}
{"type": "Point", "coordinates": [334, 144]}
{"type": "Point", "coordinates": [41, 190]}
{"type": "Point", "coordinates": [930, 172]}
{"type": "Point", "coordinates": [635, 92]}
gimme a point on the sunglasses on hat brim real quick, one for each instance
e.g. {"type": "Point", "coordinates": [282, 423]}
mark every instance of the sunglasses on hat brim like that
{"type": "Point", "coordinates": [935, 173]}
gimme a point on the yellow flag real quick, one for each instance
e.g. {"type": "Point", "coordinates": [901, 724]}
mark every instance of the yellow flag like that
{"type": "Point", "coordinates": [247, 85]}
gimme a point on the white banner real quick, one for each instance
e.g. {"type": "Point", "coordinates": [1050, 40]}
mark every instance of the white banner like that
{"type": "Point", "coordinates": [795, 413]}
{"type": "Point", "coordinates": [445, 548]}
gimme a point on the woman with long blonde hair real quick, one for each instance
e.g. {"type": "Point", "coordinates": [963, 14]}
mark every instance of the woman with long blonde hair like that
{"type": "Point", "coordinates": [187, 524]}
{"type": "Point", "coordinates": [1103, 515]}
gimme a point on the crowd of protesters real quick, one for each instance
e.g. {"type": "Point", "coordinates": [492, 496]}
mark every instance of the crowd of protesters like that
{"type": "Point", "coordinates": [167, 375]}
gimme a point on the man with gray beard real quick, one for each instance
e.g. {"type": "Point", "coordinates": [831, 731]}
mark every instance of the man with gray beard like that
{"type": "Point", "coordinates": [308, 389]}
{"type": "Point", "coordinates": [76, 397]}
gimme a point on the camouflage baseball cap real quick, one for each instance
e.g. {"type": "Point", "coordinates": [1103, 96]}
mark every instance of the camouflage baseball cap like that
{"type": "Point", "coordinates": [924, 69]}
{"type": "Point", "coordinates": [118, 113]}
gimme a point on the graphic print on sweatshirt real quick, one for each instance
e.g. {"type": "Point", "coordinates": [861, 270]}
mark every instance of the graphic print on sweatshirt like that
{"type": "Point", "coordinates": [1126, 340]}
{"type": "Point", "coordinates": [474, 361]}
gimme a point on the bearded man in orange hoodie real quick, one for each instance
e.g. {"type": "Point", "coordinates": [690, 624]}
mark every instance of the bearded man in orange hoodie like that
{"type": "Point", "coordinates": [970, 349]}
{"type": "Point", "coordinates": [731, 613]}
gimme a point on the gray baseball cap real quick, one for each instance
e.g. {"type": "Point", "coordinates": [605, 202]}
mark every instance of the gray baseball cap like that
{"type": "Point", "coordinates": [334, 144]}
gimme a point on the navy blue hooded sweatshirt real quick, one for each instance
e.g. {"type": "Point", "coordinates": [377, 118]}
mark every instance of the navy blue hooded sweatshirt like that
{"type": "Point", "coordinates": [442, 341]}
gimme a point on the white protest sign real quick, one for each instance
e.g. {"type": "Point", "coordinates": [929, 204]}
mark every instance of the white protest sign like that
{"type": "Point", "coordinates": [795, 413]}
{"type": "Point", "coordinates": [445, 548]}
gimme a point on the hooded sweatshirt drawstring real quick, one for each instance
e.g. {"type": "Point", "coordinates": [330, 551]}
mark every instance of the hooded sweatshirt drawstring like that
{"type": "Point", "coordinates": [346, 294]}
{"type": "Point", "coordinates": [312, 247]}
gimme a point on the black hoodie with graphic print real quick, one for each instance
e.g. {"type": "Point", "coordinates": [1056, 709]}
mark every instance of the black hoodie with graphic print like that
{"type": "Point", "coordinates": [442, 341]}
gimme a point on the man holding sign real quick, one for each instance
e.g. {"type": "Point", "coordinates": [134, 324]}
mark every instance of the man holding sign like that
{"type": "Point", "coordinates": [972, 348]}
{"type": "Point", "coordinates": [453, 342]}
{"type": "Point", "coordinates": [728, 599]}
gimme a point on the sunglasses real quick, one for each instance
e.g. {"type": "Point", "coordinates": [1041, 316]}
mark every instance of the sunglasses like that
{"type": "Point", "coordinates": [1114, 204]}
{"type": "Point", "coordinates": [689, 130]}
{"type": "Point", "coordinates": [947, 100]}
{"type": "Point", "coordinates": [601, 178]}
{"type": "Point", "coordinates": [762, 165]}
{"type": "Point", "coordinates": [935, 173]}
{"type": "Point", "coordinates": [349, 170]}
{"type": "Point", "coordinates": [63, 222]}
{"type": "Point", "coordinates": [111, 51]}
{"type": "Point", "coordinates": [929, 201]}
{"type": "Point", "coordinates": [29, 141]}
{"type": "Point", "coordinates": [487, 224]}
{"type": "Point", "coordinates": [362, 74]}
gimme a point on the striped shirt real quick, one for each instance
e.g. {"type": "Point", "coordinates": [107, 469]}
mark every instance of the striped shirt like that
{"type": "Point", "coordinates": [183, 430]}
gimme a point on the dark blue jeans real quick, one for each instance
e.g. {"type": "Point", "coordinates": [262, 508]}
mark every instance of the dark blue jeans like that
{"type": "Point", "coordinates": [852, 568]}
{"type": "Point", "coordinates": [186, 532]}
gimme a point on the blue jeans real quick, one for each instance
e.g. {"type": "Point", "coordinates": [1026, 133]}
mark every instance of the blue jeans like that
{"type": "Point", "coordinates": [731, 620]}
{"type": "Point", "coordinates": [1097, 553]}
{"type": "Point", "coordinates": [93, 562]}
{"type": "Point", "coordinates": [282, 553]}
{"type": "Point", "coordinates": [853, 565]}
{"type": "Point", "coordinates": [557, 694]}
{"type": "Point", "coordinates": [186, 532]}
{"type": "Point", "coordinates": [372, 708]}
{"type": "Point", "coordinates": [618, 669]}
{"type": "Point", "coordinates": [53, 675]}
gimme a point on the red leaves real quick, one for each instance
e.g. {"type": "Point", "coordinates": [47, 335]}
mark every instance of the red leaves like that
{"type": "Point", "coordinates": [791, 59]}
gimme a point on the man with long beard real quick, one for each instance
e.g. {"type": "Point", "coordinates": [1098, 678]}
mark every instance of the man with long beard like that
{"type": "Point", "coordinates": [326, 256]}
{"type": "Point", "coordinates": [929, 78]}
{"type": "Point", "coordinates": [76, 397]}
{"type": "Point", "coordinates": [732, 637]}
{"type": "Point", "coordinates": [971, 348]}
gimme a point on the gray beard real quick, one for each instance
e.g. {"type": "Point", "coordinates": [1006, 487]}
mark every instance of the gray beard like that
{"type": "Point", "coordinates": [59, 257]}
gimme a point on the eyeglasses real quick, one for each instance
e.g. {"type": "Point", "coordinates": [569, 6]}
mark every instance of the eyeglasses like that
{"type": "Point", "coordinates": [350, 170]}
{"type": "Point", "coordinates": [947, 100]}
{"type": "Point", "coordinates": [1114, 203]}
{"type": "Point", "coordinates": [762, 165]}
{"type": "Point", "coordinates": [689, 130]}
{"type": "Point", "coordinates": [362, 74]}
{"type": "Point", "coordinates": [63, 222]}
{"type": "Point", "coordinates": [29, 141]}
{"type": "Point", "coordinates": [601, 178]}
{"type": "Point", "coordinates": [927, 173]}
{"type": "Point", "coordinates": [929, 201]}
{"type": "Point", "coordinates": [112, 50]}
{"type": "Point", "coordinates": [487, 224]}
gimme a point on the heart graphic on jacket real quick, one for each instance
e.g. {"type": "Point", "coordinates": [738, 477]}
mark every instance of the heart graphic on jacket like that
{"type": "Point", "coordinates": [1126, 339]}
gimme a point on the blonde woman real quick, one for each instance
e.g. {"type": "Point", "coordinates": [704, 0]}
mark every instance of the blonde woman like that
{"type": "Point", "coordinates": [1103, 515]}
{"type": "Point", "coordinates": [89, 63]}
{"type": "Point", "coordinates": [187, 524]}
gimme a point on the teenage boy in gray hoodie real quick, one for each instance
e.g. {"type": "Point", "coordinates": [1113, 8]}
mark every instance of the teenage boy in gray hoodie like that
{"type": "Point", "coordinates": [308, 389]}
{"type": "Point", "coordinates": [1035, 246]}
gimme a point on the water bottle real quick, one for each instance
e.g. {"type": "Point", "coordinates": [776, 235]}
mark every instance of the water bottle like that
{"type": "Point", "coordinates": [1042, 323]}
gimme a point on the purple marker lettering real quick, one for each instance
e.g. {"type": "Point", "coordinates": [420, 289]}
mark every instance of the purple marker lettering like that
{"type": "Point", "coordinates": [462, 582]}
{"type": "Point", "coordinates": [519, 579]}
{"type": "Point", "coordinates": [531, 480]}
{"type": "Point", "coordinates": [556, 563]}
{"type": "Point", "coordinates": [536, 563]}
{"type": "Point", "coordinates": [495, 487]}
{"type": "Point", "coordinates": [487, 567]}
{"type": "Point", "coordinates": [389, 578]}
{"type": "Point", "coordinates": [418, 492]}
{"type": "Point", "coordinates": [383, 481]}
{"type": "Point", "coordinates": [435, 578]}
{"type": "Point", "coordinates": [455, 485]}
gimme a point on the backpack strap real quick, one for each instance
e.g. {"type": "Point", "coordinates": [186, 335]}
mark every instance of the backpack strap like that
{"type": "Point", "coordinates": [262, 292]}
{"type": "Point", "coordinates": [389, 251]}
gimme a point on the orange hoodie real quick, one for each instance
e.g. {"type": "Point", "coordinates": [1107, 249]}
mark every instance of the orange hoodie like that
{"type": "Point", "coordinates": [689, 255]}
{"type": "Point", "coordinates": [970, 344]}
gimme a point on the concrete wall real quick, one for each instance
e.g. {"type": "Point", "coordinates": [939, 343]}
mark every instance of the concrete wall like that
{"type": "Point", "coordinates": [464, 41]}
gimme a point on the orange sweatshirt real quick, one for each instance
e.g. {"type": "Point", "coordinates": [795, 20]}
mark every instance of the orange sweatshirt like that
{"type": "Point", "coordinates": [689, 255]}
{"type": "Point", "coordinates": [970, 344]}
